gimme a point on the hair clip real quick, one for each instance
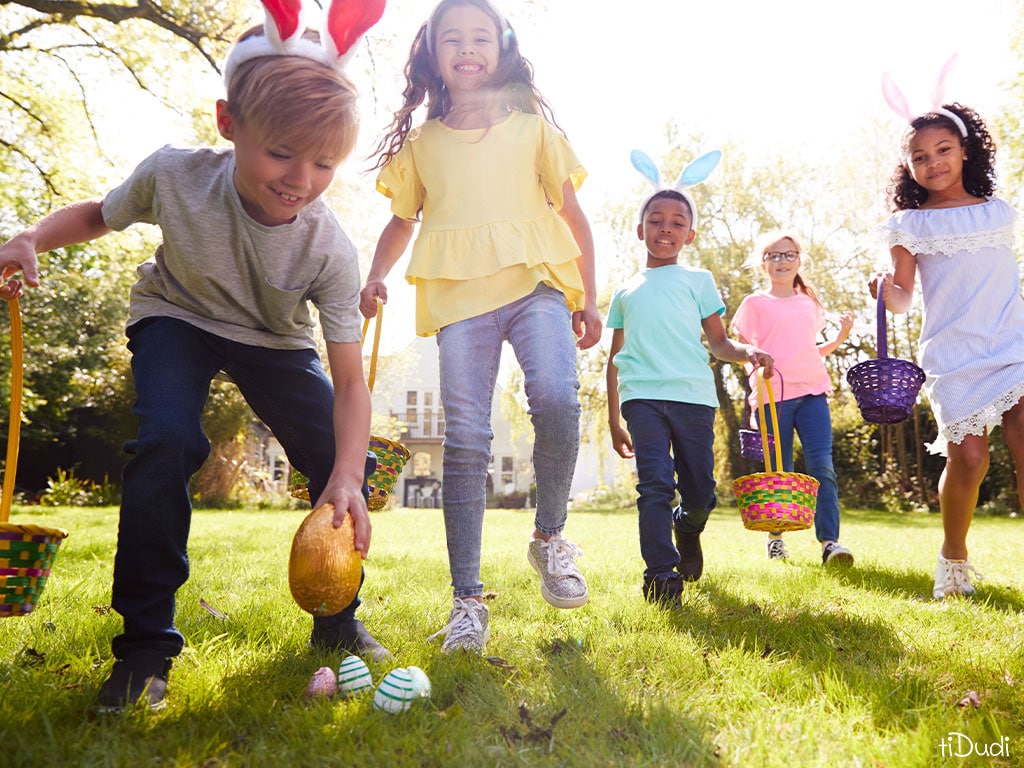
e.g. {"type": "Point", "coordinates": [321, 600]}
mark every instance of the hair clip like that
{"type": "Point", "coordinates": [898, 102]}
{"type": "Point", "coordinates": [694, 173]}
{"type": "Point", "coordinates": [506, 30]}
{"type": "Point", "coordinates": [343, 26]}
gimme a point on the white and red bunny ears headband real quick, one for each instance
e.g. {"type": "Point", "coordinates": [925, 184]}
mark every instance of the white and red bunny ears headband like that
{"type": "Point", "coordinates": [694, 173]}
{"type": "Point", "coordinates": [898, 102]}
{"type": "Point", "coordinates": [344, 24]}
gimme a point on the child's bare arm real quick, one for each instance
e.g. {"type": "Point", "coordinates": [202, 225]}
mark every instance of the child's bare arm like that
{"type": "Point", "coordinates": [75, 223]}
{"type": "Point", "coordinates": [732, 351]}
{"type": "Point", "coordinates": [391, 244]}
{"type": "Point", "coordinates": [351, 436]}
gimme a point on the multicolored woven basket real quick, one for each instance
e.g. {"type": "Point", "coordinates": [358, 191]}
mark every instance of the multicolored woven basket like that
{"type": "Point", "coordinates": [774, 500]}
{"type": "Point", "coordinates": [391, 455]}
{"type": "Point", "coordinates": [885, 388]}
{"type": "Point", "coordinates": [27, 552]}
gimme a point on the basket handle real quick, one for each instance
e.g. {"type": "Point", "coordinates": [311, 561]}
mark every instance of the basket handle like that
{"type": "Point", "coordinates": [14, 429]}
{"type": "Point", "coordinates": [883, 347]}
{"type": "Point", "coordinates": [376, 342]}
{"type": "Point", "coordinates": [763, 427]}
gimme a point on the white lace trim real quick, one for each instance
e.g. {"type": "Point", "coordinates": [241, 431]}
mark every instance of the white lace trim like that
{"type": "Point", "coordinates": [952, 244]}
{"type": "Point", "coordinates": [977, 423]}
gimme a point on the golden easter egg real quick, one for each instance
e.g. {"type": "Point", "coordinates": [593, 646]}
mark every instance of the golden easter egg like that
{"type": "Point", "coordinates": [324, 568]}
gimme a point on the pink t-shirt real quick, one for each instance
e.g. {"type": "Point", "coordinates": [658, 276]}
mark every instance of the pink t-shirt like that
{"type": "Point", "coordinates": [787, 329]}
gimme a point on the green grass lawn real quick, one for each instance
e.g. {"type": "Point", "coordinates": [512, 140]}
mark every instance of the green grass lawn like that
{"type": "Point", "coordinates": [766, 664]}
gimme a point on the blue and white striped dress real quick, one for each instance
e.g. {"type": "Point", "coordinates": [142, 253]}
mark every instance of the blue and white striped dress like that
{"type": "Point", "coordinates": [972, 336]}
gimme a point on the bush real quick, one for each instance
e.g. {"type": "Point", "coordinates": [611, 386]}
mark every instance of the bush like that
{"type": "Point", "coordinates": [66, 490]}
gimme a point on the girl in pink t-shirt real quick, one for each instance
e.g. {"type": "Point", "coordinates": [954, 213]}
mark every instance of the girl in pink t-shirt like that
{"type": "Point", "coordinates": [785, 319]}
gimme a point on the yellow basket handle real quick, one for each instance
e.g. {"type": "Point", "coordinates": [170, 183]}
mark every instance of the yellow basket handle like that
{"type": "Point", "coordinates": [14, 430]}
{"type": "Point", "coordinates": [770, 397]}
{"type": "Point", "coordinates": [376, 342]}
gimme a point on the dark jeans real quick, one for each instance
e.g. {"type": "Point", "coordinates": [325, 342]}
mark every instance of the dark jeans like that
{"type": "Point", "coordinates": [173, 364]}
{"type": "Point", "coordinates": [810, 417]}
{"type": "Point", "coordinates": [673, 443]}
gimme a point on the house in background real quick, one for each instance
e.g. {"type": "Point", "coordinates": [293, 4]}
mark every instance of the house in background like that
{"type": "Point", "coordinates": [407, 394]}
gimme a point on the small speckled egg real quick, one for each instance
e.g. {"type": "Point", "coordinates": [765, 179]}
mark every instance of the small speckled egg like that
{"type": "Point", "coordinates": [354, 677]}
{"type": "Point", "coordinates": [324, 683]}
{"type": "Point", "coordinates": [395, 692]}
{"type": "Point", "coordinates": [420, 682]}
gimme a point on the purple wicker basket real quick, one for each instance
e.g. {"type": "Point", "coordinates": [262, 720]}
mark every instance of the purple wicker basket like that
{"type": "Point", "coordinates": [751, 444]}
{"type": "Point", "coordinates": [885, 388]}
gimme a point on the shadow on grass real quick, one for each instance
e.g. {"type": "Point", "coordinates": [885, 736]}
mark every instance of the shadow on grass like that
{"type": "Point", "coordinates": [827, 644]}
{"type": "Point", "coordinates": [918, 586]}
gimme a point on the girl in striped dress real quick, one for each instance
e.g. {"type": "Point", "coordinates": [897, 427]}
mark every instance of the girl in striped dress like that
{"type": "Point", "coordinates": [949, 227]}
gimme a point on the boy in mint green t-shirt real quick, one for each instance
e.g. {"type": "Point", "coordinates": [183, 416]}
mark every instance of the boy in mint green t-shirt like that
{"type": "Point", "coordinates": [659, 379]}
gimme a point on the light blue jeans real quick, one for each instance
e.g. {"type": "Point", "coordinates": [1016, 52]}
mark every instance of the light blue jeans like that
{"type": "Point", "coordinates": [810, 417]}
{"type": "Point", "coordinates": [539, 328]}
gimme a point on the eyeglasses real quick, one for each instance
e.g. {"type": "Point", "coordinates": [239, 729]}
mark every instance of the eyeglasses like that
{"type": "Point", "coordinates": [778, 256]}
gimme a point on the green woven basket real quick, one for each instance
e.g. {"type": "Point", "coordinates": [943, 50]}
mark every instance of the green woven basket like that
{"type": "Point", "coordinates": [26, 551]}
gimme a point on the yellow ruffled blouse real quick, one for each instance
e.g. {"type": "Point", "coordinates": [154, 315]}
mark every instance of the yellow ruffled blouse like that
{"type": "Point", "coordinates": [490, 230]}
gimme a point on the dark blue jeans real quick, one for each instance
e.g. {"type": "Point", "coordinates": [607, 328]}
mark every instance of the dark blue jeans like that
{"type": "Point", "coordinates": [810, 417]}
{"type": "Point", "coordinates": [673, 443]}
{"type": "Point", "coordinates": [173, 364]}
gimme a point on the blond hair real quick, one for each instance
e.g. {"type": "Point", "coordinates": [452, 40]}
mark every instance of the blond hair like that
{"type": "Point", "coordinates": [296, 102]}
{"type": "Point", "coordinates": [765, 241]}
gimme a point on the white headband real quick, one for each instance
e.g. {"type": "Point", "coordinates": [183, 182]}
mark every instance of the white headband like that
{"type": "Point", "coordinates": [898, 102]}
{"type": "Point", "coordinates": [344, 24]}
{"type": "Point", "coordinates": [694, 173]}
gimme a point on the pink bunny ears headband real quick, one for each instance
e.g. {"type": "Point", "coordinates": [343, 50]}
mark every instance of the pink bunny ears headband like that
{"type": "Point", "coordinates": [344, 24]}
{"type": "Point", "coordinates": [898, 102]}
{"type": "Point", "coordinates": [694, 173]}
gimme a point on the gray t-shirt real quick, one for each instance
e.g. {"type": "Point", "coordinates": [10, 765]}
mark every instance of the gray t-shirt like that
{"type": "Point", "coordinates": [223, 272]}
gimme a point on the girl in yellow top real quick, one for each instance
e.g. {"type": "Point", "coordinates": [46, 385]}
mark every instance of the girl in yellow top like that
{"type": "Point", "coordinates": [504, 253]}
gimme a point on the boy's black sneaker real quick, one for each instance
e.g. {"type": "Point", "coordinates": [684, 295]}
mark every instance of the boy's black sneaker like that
{"type": "Point", "coordinates": [664, 590]}
{"type": "Point", "coordinates": [138, 678]}
{"type": "Point", "coordinates": [333, 634]}
{"type": "Point", "coordinates": [691, 557]}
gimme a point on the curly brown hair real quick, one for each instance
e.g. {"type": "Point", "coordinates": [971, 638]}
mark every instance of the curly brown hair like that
{"type": "Point", "coordinates": [512, 81]}
{"type": "Point", "coordinates": [979, 173]}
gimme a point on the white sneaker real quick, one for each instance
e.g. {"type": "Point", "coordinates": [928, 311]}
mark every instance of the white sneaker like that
{"type": "Point", "coordinates": [561, 582]}
{"type": "Point", "coordinates": [777, 550]}
{"type": "Point", "coordinates": [467, 628]}
{"type": "Point", "coordinates": [953, 577]}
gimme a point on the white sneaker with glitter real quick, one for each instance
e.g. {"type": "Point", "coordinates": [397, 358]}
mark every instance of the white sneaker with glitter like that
{"type": "Point", "coordinates": [561, 582]}
{"type": "Point", "coordinates": [467, 628]}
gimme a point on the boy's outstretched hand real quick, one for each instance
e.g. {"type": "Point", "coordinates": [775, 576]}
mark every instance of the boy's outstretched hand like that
{"type": "Point", "coordinates": [761, 359]}
{"type": "Point", "coordinates": [12, 289]}
{"type": "Point", "coordinates": [350, 501]}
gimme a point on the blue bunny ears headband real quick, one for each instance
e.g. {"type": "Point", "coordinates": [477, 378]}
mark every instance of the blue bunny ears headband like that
{"type": "Point", "coordinates": [694, 173]}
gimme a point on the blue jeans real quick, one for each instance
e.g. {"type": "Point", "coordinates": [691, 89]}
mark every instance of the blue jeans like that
{"type": "Point", "coordinates": [674, 447]}
{"type": "Point", "coordinates": [539, 329]}
{"type": "Point", "coordinates": [810, 417]}
{"type": "Point", "coordinates": [173, 364]}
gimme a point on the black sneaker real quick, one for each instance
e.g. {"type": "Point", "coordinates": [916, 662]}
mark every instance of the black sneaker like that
{"type": "Point", "coordinates": [691, 557]}
{"type": "Point", "coordinates": [333, 634]}
{"type": "Point", "coordinates": [833, 554]}
{"type": "Point", "coordinates": [664, 590]}
{"type": "Point", "coordinates": [140, 677]}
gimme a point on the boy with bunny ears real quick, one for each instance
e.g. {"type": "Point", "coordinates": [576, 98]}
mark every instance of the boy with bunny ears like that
{"type": "Point", "coordinates": [247, 246]}
{"type": "Point", "coordinates": [658, 377]}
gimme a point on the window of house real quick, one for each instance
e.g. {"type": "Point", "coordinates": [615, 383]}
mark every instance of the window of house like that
{"type": "Point", "coordinates": [410, 397]}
